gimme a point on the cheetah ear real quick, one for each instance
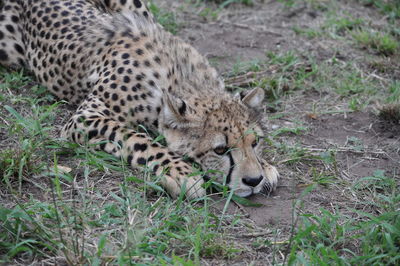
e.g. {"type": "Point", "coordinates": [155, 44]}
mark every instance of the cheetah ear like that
{"type": "Point", "coordinates": [252, 98]}
{"type": "Point", "coordinates": [174, 111]}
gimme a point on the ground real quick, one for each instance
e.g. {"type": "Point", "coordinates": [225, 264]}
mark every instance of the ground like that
{"type": "Point", "coordinates": [328, 69]}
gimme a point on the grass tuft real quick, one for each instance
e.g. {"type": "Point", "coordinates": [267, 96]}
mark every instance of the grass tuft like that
{"type": "Point", "coordinates": [382, 43]}
{"type": "Point", "coordinates": [165, 18]}
{"type": "Point", "coordinates": [390, 112]}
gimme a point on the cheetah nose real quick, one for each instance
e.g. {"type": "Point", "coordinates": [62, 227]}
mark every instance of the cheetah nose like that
{"type": "Point", "coordinates": [252, 181]}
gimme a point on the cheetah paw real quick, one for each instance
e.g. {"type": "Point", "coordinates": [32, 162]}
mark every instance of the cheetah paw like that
{"type": "Point", "coordinates": [192, 186]}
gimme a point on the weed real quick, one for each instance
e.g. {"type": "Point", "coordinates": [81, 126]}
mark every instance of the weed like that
{"type": "Point", "coordinates": [382, 43]}
{"type": "Point", "coordinates": [165, 18]}
{"type": "Point", "coordinates": [331, 236]}
{"type": "Point", "coordinates": [341, 25]}
{"type": "Point", "coordinates": [390, 112]}
{"type": "Point", "coordinates": [309, 33]}
{"type": "Point", "coordinates": [394, 92]}
{"type": "Point", "coordinates": [242, 67]}
{"type": "Point", "coordinates": [356, 104]}
{"type": "Point", "coordinates": [226, 3]}
{"type": "Point", "coordinates": [389, 7]}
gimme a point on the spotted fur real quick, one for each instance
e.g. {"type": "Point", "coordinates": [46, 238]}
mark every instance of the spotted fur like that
{"type": "Point", "coordinates": [112, 59]}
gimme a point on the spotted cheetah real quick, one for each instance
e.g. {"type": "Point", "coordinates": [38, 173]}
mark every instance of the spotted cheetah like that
{"type": "Point", "coordinates": [126, 72]}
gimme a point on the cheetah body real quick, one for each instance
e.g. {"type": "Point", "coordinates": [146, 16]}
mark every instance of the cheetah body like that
{"type": "Point", "coordinates": [124, 71]}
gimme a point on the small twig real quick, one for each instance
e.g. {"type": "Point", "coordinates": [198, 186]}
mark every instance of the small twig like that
{"type": "Point", "coordinates": [245, 79]}
{"type": "Point", "coordinates": [256, 234]}
{"type": "Point", "coordinates": [344, 149]}
{"type": "Point", "coordinates": [352, 130]}
{"type": "Point", "coordinates": [242, 209]}
{"type": "Point", "coordinates": [5, 121]}
{"type": "Point", "coordinates": [296, 11]}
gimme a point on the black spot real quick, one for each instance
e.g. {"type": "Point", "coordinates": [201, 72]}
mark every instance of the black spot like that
{"type": "Point", "coordinates": [165, 162]}
{"type": "Point", "coordinates": [93, 133]}
{"type": "Point", "coordinates": [137, 3]}
{"type": "Point", "coordinates": [159, 155]}
{"type": "Point", "coordinates": [14, 19]}
{"type": "Point", "coordinates": [19, 48]}
{"type": "Point", "coordinates": [129, 159]}
{"type": "Point", "coordinates": [139, 51]}
{"type": "Point", "coordinates": [112, 136]}
{"type": "Point", "coordinates": [10, 28]}
{"type": "Point", "coordinates": [140, 147]}
{"type": "Point", "coordinates": [103, 130]}
{"type": "Point", "coordinates": [157, 59]}
{"type": "Point", "coordinates": [3, 55]}
{"type": "Point", "coordinates": [141, 161]}
{"type": "Point", "coordinates": [116, 109]}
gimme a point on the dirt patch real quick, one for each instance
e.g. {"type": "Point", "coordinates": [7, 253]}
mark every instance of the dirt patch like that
{"type": "Point", "coordinates": [364, 143]}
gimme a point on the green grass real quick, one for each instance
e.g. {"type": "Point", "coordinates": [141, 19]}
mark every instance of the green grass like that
{"type": "Point", "coordinates": [333, 237]}
{"type": "Point", "coordinates": [342, 25]}
{"type": "Point", "coordinates": [382, 43]}
{"type": "Point", "coordinates": [391, 8]}
{"type": "Point", "coordinates": [309, 33]}
{"type": "Point", "coordinates": [166, 18]}
{"type": "Point", "coordinates": [292, 72]}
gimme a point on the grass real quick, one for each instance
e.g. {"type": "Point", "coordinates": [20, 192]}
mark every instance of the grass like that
{"type": "Point", "coordinates": [165, 18]}
{"type": "Point", "coordinates": [341, 25]}
{"type": "Point", "coordinates": [380, 42]}
{"type": "Point", "coordinates": [309, 33]}
{"type": "Point", "coordinates": [389, 7]}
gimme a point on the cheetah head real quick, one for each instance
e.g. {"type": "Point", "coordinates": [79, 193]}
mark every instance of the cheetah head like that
{"type": "Point", "coordinates": [221, 133]}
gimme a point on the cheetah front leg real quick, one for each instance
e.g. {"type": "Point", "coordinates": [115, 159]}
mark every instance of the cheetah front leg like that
{"type": "Point", "coordinates": [93, 127]}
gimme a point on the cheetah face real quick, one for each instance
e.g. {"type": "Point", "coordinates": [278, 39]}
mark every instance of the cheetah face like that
{"type": "Point", "coordinates": [226, 137]}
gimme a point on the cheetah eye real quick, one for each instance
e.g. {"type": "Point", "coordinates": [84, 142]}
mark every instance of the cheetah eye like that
{"type": "Point", "coordinates": [255, 142]}
{"type": "Point", "coordinates": [221, 150]}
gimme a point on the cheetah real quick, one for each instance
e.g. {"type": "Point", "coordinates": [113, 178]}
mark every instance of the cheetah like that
{"type": "Point", "coordinates": [125, 73]}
